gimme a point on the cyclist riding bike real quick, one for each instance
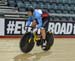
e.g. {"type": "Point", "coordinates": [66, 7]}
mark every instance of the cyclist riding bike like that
{"type": "Point", "coordinates": [35, 20]}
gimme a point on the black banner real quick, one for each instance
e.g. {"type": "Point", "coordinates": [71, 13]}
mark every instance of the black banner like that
{"type": "Point", "coordinates": [62, 28]}
{"type": "Point", "coordinates": [16, 27]}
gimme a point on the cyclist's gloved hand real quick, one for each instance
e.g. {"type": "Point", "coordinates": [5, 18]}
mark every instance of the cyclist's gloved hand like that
{"type": "Point", "coordinates": [35, 29]}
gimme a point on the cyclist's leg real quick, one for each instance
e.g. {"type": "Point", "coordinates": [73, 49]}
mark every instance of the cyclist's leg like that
{"type": "Point", "coordinates": [34, 23]}
{"type": "Point", "coordinates": [42, 30]}
{"type": "Point", "coordinates": [43, 33]}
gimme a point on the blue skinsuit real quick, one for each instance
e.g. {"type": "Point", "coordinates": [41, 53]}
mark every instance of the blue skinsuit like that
{"type": "Point", "coordinates": [36, 15]}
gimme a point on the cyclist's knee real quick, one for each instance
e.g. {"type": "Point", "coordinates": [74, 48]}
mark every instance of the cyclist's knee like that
{"type": "Point", "coordinates": [43, 30]}
{"type": "Point", "coordinates": [34, 24]}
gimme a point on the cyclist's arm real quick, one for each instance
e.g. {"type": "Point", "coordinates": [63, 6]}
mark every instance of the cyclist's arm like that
{"type": "Point", "coordinates": [39, 19]}
{"type": "Point", "coordinates": [28, 22]}
{"type": "Point", "coordinates": [39, 23]}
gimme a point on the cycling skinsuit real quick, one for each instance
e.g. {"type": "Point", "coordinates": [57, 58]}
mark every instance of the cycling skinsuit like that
{"type": "Point", "coordinates": [37, 16]}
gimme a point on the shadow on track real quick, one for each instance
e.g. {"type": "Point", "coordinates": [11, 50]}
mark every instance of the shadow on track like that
{"type": "Point", "coordinates": [32, 57]}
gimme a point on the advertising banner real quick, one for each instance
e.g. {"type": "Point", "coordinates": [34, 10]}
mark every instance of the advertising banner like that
{"type": "Point", "coordinates": [16, 27]}
{"type": "Point", "coordinates": [62, 28]}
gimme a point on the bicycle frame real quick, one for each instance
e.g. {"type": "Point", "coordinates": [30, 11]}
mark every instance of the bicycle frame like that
{"type": "Point", "coordinates": [35, 37]}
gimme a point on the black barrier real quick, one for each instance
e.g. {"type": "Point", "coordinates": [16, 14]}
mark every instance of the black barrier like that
{"type": "Point", "coordinates": [16, 27]}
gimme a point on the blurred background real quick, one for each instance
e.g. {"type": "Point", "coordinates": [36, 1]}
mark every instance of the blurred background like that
{"type": "Point", "coordinates": [59, 10]}
{"type": "Point", "coordinates": [17, 8]}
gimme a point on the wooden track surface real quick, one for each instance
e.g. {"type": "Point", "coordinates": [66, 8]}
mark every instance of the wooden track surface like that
{"type": "Point", "coordinates": [62, 50]}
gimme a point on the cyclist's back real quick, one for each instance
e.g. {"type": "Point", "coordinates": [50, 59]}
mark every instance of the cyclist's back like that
{"type": "Point", "coordinates": [37, 17]}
